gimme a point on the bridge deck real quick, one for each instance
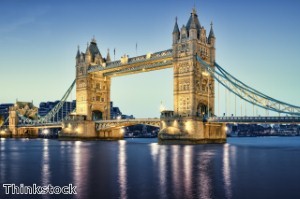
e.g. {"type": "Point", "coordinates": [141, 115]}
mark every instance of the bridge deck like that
{"type": "Point", "coordinates": [259, 119]}
{"type": "Point", "coordinates": [144, 63]}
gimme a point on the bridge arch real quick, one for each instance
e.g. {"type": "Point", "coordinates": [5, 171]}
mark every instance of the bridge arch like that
{"type": "Point", "coordinates": [97, 115]}
{"type": "Point", "coordinates": [202, 109]}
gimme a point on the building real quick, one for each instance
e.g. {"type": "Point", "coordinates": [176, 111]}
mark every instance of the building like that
{"type": "Point", "coordinates": [46, 107]}
{"type": "Point", "coordinates": [4, 110]}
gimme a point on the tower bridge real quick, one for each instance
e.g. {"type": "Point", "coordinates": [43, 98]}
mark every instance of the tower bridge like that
{"type": "Point", "coordinates": [193, 118]}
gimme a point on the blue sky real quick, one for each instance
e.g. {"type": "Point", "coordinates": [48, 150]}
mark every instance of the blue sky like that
{"type": "Point", "coordinates": [257, 41]}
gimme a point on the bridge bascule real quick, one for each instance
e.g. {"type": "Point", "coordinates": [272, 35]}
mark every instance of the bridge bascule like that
{"type": "Point", "coordinates": [195, 72]}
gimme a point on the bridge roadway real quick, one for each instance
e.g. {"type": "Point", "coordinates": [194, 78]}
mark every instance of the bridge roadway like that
{"type": "Point", "coordinates": [108, 124]}
{"type": "Point", "coordinates": [41, 125]}
{"type": "Point", "coordinates": [256, 120]}
{"type": "Point", "coordinates": [143, 63]}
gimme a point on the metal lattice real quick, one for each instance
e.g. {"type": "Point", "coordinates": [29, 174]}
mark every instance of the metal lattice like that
{"type": "Point", "coordinates": [51, 114]}
{"type": "Point", "coordinates": [248, 93]}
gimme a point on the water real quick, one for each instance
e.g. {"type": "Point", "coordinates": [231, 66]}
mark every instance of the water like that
{"type": "Point", "coordinates": [265, 167]}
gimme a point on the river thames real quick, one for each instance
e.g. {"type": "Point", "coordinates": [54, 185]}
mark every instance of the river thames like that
{"type": "Point", "coordinates": [261, 167]}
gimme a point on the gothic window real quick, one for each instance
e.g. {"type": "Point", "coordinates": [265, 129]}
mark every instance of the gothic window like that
{"type": "Point", "coordinates": [81, 71]}
{"type": "Point", "coordinates": [97, 98]}
{"type": "Point", "coordinates": [102, 99]}
{"type": "Point", "coordinates": [97, 86]}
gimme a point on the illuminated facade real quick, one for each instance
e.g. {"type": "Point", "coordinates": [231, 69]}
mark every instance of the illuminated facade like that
{"type": "Point", "coordinates": [92, 89]}
{"type": "Point", "coordinates": [193, 87]}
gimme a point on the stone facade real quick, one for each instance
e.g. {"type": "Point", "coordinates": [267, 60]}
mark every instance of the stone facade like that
{"type": "Point", "coordinates": [193, 88]}
{"type": "Point", "coordinates": [92, 89]}
{"type": "Point", "coordinates": [26, 109]}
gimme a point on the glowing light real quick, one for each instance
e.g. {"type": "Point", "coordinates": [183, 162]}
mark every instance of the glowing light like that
{"type": "Point", "coordinates": [226, 128]}
{"type": "Point", "coordinates": [122, 130]}
{"type": "Point", "coordinates": [175, 123]}
{"type": "Point", "coordinates": [2, 132]}
{"type": "Point", "coordinates": [188, 126]}
{"type": "Point", "coordinates": [46, 131]}
{"type": "Point", "coordinates": [119, 117]}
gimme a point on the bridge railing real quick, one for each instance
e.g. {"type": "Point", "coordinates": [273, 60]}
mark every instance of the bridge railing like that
{"type": "Point", "coordinates": [263, 119]}
{"type": "Point", "coordinates": [129, 120]}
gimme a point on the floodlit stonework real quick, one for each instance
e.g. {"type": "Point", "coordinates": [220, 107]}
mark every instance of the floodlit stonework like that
{"type": "Point", "coordinates": [193, 88]}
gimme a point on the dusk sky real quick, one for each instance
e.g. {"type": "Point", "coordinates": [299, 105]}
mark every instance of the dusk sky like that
{"type": "Point", "coordinates": [257, 41]}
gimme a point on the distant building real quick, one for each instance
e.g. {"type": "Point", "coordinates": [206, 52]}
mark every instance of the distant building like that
{"type": "Point", "coordinates": [4, 110]}
{"type": "Point", "coordinates": [46, 107]}
{"type": "Point", "coordinates": [115, 113]}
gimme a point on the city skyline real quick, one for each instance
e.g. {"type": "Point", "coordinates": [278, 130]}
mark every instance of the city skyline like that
{"type": "Point", "coordinates": [255, 41]}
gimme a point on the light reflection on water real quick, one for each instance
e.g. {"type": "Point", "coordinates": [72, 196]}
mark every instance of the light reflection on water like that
{"type": "Point", "coordinates": [122, 169]}
{"type": "Point", "coordinates": [188, 170]}
{"type": "Point", "coordinates": [144, 169]}
{"type": "Point", "coordinates": [2, 159]}
{"type": "Point", "coordinates": [176, 170]}
{"type": "Point", "coordinates": [45, 171]}
{"type": "Point", "coordinates": [80, 156]}
{"type": "Point", "coordinates": [226, 169]}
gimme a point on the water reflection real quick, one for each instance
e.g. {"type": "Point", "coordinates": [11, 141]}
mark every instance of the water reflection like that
{"type": "Point", "coordinates": [45, 172]}
{"type": "Point", "coordinates": [188, 169]}
{"type": "Point", "coordinates": [154, 148]}
{"type": "Point", "coordinates": [79, 169]}
{"type": "Point", "coordinates": [2, 160]}
{"type": "Point", "coordinates": [122, 169]}
{"type": "Point", "coordinates": [176, 170]}
{"type": "Point", "coordinates": [205, 181]}
{"type": "Point", "coordinates": [226, 171]}
{"type": "Point", "coordinates": [162, 172]}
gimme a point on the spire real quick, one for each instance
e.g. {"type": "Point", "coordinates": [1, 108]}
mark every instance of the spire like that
{"type": "Point", "coordinates": [94, 40]}
{"type": "Point", "coordinates": [108, 56]}
{"type": "Point", "coordinates": [176, 29]}
{"type": "Point", "coordinates": [78, 52]}
{"type": "Point", "coordinates": [211, 32]}
{"type": "Point", "coordinates": [87, 49]}
{"type": "Point", "coordinates": [193, 21]}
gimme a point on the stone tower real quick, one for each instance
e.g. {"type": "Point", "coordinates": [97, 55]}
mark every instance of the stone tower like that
{"type": "Point", "coordinates": [92, 90]}
{"type": "Point", "coordinates": [194, 96]}
{"type": "Point", "coordinates": [193, 86]}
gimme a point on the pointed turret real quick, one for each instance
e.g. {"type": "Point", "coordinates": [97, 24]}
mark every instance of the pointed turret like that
{"type": "Point", "coordinates": [211, 37]}
{"type": "Point", "coordinates": [193, 32]}
{"type": "Point", "coordinates": [78, 56]}
{"type": "Point", "coordinates": [193, 21]}
{"type": "Point", "coordinates": [108, 56]}
{"type": "Point", "coordinates": [78, 52]}
{"type": "Point", "coordinates": [176, 28]}
{"type": "Point", "coordinates": [88, 56]}
{"type": "Point", "coordinates": [176, 33]}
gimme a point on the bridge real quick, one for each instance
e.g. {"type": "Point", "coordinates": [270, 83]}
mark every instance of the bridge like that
{"type": "Point", "coordinates": [195, 72]}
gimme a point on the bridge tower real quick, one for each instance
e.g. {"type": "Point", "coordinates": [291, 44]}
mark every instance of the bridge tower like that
{"type": "Point", "coordinates": [194, 88]}
{"type": "Point", "coordinates": [92, 90]}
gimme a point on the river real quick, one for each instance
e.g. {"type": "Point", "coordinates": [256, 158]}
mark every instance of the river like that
{"type": "Point", "coordinates": [260, 167]}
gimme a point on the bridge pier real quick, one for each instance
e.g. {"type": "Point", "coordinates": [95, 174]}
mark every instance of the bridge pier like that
{"type": "Point", "coordinates": [77, 127]}
{"type": "Point", "coordinates": [190, 130]}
